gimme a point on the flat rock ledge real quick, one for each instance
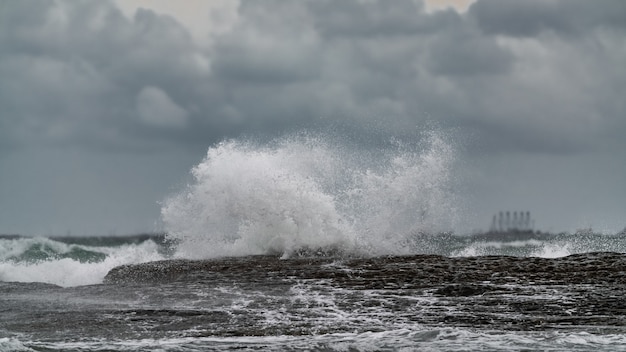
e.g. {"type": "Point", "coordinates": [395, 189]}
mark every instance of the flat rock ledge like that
{"type": "Point", "coordinates": [417, 271]}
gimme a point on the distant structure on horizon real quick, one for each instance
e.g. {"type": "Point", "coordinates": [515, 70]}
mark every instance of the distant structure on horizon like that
{"type": "Point", "coordinates": [512, 221]}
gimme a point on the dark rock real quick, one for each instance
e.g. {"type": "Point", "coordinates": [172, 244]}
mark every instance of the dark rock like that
{"type": "Point", "coordinates": [462, 290]}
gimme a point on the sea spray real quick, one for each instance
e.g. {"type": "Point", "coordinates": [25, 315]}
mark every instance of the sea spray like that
{"type": "Point", "coordinates": [312, 193]}
{"type": "Point", "coordinates": [256, 200]}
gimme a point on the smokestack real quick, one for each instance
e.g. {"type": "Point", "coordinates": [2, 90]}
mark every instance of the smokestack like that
{"type": "Point", "coordinates": [508, 221]}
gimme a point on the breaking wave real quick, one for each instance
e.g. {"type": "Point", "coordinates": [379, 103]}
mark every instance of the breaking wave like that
{"type": "Point", "coordinates": [311, 193]}
{"type": "Point", "coordinates": [63, 263]}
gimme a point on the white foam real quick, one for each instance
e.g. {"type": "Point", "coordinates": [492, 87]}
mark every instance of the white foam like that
{"type": "Point", "coordinates": [402, 339]}
{"type": "Point", "coordinates": [553, 250]}
{"type": "Point", "coordinates": [12, 345]}
{"type": "Point", "coordinates": [305, 192]}
{"type": "Point", "coordinates": [525, 248]}
{"type": "Point", "coordinates": [70, 272]}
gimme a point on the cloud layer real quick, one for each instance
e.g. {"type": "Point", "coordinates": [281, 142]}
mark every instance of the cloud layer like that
{"type": "Point", "coordinates": [534, 75]}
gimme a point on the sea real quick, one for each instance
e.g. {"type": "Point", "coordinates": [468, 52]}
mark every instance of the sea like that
{"type": "Point", "coordinates": [307, 244]}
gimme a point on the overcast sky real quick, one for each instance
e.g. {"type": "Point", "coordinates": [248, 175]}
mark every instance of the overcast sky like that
{"type": "Point", "coordinates": [105, 106]}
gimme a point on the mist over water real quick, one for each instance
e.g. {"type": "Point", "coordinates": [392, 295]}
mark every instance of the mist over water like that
{"type": "Point", "coordinates": [308, 192]}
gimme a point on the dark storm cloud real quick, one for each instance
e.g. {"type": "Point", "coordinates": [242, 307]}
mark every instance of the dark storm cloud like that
{"type": "Point", "coordinates": [468, 54]}
{"type": "Point", "coordinates": [82, 73]}
{"type": "Point", "coordinates": [362, 62]}
{"type": "Point", "coordinates": [529, 18]}
{"type": "Point", "coordinates": [73, 71]}
{"type": "Point", "coordinates": [372, 19]}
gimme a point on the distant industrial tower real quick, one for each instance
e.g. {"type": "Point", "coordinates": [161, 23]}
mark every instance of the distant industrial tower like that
{"type": "Point", "coordinates": [504, 222]}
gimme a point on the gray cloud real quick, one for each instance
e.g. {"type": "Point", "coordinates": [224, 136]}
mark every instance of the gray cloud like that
{"type": "Point", "coordinates": [155, 107]}
{"type": "Point", "coordinates": [83, 69]}
{"type": "Point", "coordinates": [530, 18]}
{"type": "Point", "coordinates": [466, 53]}
{"type": "Point", "coordinates": [72, 70]}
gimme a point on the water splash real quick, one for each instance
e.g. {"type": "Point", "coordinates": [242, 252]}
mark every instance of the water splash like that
{"type": "Point", "coordinates": [311, 193]}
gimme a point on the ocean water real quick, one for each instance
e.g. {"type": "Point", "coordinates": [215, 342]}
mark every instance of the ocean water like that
{"type": "Point", "coordinates": [305, 243]}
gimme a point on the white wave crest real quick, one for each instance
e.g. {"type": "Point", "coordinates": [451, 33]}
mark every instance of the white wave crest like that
{"type": "Point", "coordinates": [67, 271]}
{"type": "Point", "coordinates": [305, 192]}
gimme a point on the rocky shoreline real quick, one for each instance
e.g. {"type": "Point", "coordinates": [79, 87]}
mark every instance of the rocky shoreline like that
{"type": "Point", "coordinates": [587, 291]}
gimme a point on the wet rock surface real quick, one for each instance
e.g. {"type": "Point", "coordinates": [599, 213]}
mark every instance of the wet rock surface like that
{"type": "Point", "coordinates": [579, 292]}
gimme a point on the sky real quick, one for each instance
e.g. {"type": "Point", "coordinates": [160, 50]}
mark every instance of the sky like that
{"type": "Point", "coordinates": [106, 105]}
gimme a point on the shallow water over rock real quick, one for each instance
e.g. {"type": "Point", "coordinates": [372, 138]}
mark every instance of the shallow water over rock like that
{"type": "Point", "coordinates": [580, 291]}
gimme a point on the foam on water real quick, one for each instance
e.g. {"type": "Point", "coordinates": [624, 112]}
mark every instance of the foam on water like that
{"type": "Point", "coordinates": [16, 264]}
{"type": "Point", "coordinates": [12, 345]}
{"type": "Point", "coordinates": [445, 338]}
{"type": "Point", "coordinates": [308, 192]}
{"type": "Point", "coordinates": [545, 246]}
